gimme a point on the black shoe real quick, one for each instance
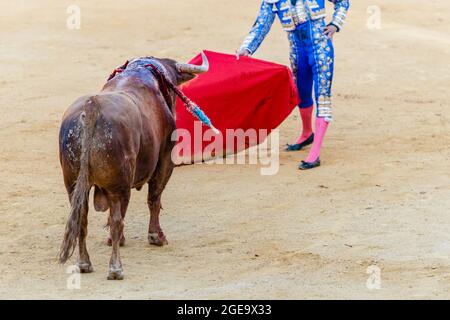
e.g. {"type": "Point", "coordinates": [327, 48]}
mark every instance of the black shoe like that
{"type": "Point", "coordinates": [309, 165]}
{"type": "Point", "coordinates": [300, 146]}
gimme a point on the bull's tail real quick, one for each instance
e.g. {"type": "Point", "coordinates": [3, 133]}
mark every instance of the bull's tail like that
{"type": "Point", "coordinates": [80, 195]}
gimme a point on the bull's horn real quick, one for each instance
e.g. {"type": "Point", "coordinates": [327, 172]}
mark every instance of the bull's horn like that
{"type": "Point", "coordinates": [194, 69]}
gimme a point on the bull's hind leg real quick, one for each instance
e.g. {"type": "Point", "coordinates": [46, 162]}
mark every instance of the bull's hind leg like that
{"type": "Point", "coordinates": [109, 240]}
{"type": "Point", "coordinates": [155, 234]}
{"type": "Point", "coordinates": [101, 203]}
{"type": "Point", "coordinates": [155, 188]}
{"type": "Point", "coordinates": [83, 262]}
{"type": "Point", "coordinates": [117, 214]}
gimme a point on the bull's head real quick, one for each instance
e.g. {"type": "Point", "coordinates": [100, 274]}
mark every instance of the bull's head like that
{"type": "Point", "coordinates": [184, 72]}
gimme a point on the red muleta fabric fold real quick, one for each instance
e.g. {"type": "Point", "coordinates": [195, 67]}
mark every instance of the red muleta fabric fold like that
{"type": "Point", "coordinates": [235, 94]}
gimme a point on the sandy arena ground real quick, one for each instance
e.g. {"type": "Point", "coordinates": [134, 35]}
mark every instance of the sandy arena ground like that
{"type": "Point", "coordinates": [381, 198]}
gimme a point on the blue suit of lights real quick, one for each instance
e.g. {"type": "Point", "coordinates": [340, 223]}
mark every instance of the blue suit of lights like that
{"type": "Point", "coordinates": [312, 53]}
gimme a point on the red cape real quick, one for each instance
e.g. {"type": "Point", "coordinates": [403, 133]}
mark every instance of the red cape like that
{"type": "Point", "coordinates": [244, 94]}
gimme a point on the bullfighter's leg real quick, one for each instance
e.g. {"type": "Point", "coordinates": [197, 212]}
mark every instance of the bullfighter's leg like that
{"type": "Point", "coordinates": [117, 214]}
{"type": "Point", "coordinates": [304, 80]}
{"type": "Point", "coordinates": [322, 63]}
{"type": "Point", "coordinates": [155, 188]}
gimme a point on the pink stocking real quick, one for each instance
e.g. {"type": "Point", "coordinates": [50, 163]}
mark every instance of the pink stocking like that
{"type": "Point", "coordinates": [306, 115]}
{"type": "Point", "coordinates": [321, 129]}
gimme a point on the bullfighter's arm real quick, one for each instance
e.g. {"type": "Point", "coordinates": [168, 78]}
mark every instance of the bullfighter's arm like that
{"type": "Point", "coordinates": [260, 29]}
{"type": "Point", "coordinates": [340, 13]}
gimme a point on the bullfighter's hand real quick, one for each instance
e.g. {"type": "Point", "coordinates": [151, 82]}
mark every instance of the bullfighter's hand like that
{"type": "Point", "coordinates": [243, 52]}
{"type": "Point", "coordinates": [330, 30]}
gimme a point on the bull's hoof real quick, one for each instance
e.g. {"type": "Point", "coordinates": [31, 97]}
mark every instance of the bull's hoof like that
{"type": "Point", "coordinates": [157, 239]}
{"type": "Point", "coordinates": [85, 267]}
{"type": "Point", "coordinates": [121, 243]}
{"type": "Point", "coordinates": [115, 274]}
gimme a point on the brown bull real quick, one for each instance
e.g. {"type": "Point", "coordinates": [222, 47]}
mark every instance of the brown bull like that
{"type": "Point", "coordinates": [117, 140]}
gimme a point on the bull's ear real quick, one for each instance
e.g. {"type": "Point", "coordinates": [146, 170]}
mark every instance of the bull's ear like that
{"type": "Point", "coordinates": [184, 77]}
